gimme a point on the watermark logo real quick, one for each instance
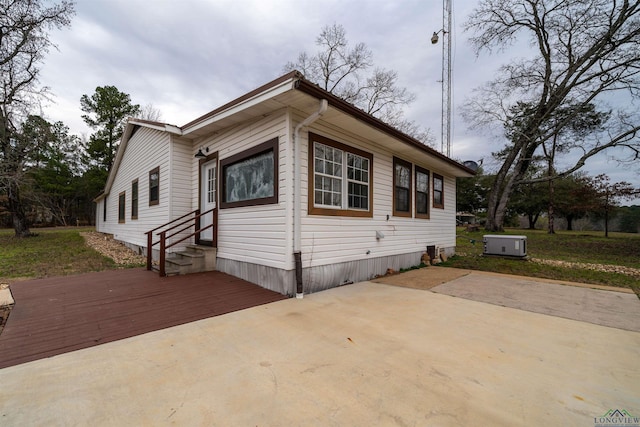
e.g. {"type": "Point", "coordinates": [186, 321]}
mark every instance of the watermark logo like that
{"type": "Point", "coordinates": [617, 418]}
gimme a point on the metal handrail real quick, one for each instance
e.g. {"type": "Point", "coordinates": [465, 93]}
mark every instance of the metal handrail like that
{"type": "Point", "coordinates": [163, 235]}
{"type": "Point", "coordinates": [186, 237]}
{"type": "Point", "coordinates": [172, 221]}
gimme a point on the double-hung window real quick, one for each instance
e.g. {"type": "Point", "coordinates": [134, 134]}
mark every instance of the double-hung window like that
{"type": "Point", "coordinates": [134, 199]}
{"type": "Point", "coordinates": [411, 197]}
{"type": "Point", "coordinates": [154, 186]}
{"type": "Point", "coordinates": [401, 188]}
{"type": "Point", "coordinates": [340, 178]}
{"type": "Point", "coordinates": [438, 191]}
{"type": "Point", "coordinates": [422, 193]}
{"type": "Point", "coordinates": [357, 181]}
{"type": "Point", "coordinates": [122, 197]}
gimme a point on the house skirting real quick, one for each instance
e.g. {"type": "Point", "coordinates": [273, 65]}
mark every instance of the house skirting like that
{"type": "Point", "coordinates": [320, 277]}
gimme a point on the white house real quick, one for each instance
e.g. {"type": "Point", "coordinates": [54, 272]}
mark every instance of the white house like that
{"type": "Point", "coordinates": [308, 192]}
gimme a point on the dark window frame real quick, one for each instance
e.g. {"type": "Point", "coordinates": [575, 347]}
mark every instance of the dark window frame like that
{"type": "Point", "coordinates": [135, 196]}
{"type": "Point", "coordinates": [325, 211]}
{"type": "Point", "coordinates": [435, 203]}
{"type": "Point", "coordinates": [104, 209]}
{"type": "Point", "coordinates": [426, 172]}
{"type": "Point", "coordinates": [270, 145]}
{"type": "Point", "coordinates": [122, 207]}
{"type": "Point", "coordinates": [154, 200]}
{"type": "Point", "coordinates": [408, 212]}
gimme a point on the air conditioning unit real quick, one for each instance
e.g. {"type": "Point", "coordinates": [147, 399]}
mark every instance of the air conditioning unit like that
{"type": "Point", "coordinates": [512, 246]}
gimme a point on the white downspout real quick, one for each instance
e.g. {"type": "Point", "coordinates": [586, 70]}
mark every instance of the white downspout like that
{"type": "Point", "coordinates": [297, 194]}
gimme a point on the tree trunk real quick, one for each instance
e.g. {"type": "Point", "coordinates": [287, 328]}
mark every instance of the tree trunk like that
{"type": "Point", "coordinates": [18, 216]}
{"type": "Point", "coordinates": [552, 228]}
{"type": "Point", "coordinates": [503, 185]}
{"type": "Point", "coordinates": [606, 215]}
{"type": "Point", "coordinates": [496, 203]}
{"type": "Point", "coordinates": [569, 223]}
{"type": "Point", "coordinates": [494, 223]}
{"type": "Point", "coordinates": [495, 215]}
{"type": "Point", "coordinates": [535, 220]}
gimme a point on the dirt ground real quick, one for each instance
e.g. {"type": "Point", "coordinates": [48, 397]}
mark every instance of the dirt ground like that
{"type": "Point", "coordinates": [424, 278]}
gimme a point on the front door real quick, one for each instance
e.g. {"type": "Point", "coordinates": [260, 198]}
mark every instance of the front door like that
{"type": "Point", "coordinates": [208, 193]}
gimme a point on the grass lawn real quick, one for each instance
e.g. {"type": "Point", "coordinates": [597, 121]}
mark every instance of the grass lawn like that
{"type": "Point", "coordinates": [53, 252]}
{"type": "Point", "coordinates": [61, 251]}
{"type": "Point", "coordinates": [620, 249]}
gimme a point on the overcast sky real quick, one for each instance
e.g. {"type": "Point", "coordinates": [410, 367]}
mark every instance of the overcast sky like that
{"type": "Point", "coordinates": [188, 57]}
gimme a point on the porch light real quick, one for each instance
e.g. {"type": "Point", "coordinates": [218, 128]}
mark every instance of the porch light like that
{"type": "Point", "coordinates": [200, 154]}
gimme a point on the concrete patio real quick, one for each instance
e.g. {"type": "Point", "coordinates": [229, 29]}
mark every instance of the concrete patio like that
{"type": "Point", "coordinates": [360, 355]}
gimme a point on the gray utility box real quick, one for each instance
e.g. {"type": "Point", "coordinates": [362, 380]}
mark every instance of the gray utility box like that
{"type": "Point", "coordinates": [514, 246]}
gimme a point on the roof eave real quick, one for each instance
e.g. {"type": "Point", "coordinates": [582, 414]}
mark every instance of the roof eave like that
{"type": "Point", "coordinates": [266, 91]}
{"type": "Point", "coordinates": [314, 90]}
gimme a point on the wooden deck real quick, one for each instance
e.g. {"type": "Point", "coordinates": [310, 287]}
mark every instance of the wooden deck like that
{"type": "Point", "coordinates": [61, 314]}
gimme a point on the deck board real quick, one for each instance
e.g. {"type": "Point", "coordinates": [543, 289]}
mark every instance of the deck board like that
{"type": "Point", "coordinates": [60, 314]}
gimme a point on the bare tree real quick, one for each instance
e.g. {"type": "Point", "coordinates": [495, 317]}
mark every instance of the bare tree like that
{"type": "Point", "coordinates": [151, 113]}
{"type": "Point", "coordinates": [584, 52]}
{"type": "Point", "coordinates": [344, 71]}
{"type": "Point", "coordinates": [24, 41]}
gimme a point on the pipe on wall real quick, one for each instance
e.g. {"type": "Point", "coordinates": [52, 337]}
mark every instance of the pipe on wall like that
{"type": "Point", "coordinates": [297, 194]}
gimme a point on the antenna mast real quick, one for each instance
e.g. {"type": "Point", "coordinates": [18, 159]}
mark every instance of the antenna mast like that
{"type": "Point", "coordinates": [446, 77]}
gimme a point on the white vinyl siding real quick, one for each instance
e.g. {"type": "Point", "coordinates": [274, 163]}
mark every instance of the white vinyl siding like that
{"type": "Point", "coordinates": [146, 150]}
{"type": "Point", "coordinates": [255, 234]}
{"type": "Point", "coordinates": [328, 240]}
{"type": "Point", "coordinates": [181, 181]}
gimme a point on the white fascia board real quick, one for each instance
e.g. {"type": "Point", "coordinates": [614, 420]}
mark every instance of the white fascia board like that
{"type": "Point", "coordinates": [164, 127]}
{"type": "Point", "coordinates": [243, 105]}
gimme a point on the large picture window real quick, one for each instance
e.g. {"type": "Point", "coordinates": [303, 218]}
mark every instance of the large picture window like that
{"type": "Point", "coordinates": [251, 177]}
{"type": "Point", "coordinates": [339, 178]}
{"type": "Point", "coordinates": [154, 186]}
{"type": "Point", "coordinates": [438, 191]}
{"type": "Point", "coordinates": [422, 193]}
{"type": "Point", "coordinates": [401, 188]}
